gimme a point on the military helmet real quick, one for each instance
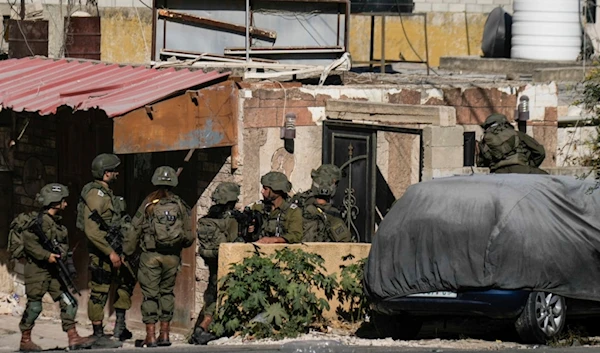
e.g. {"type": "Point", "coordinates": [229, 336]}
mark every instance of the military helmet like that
{"type": "Point", "coordinates": [327, 171]}
{"type": "Point", "coordinates": [165, 175]}
{"type": "Point", "coordinates": [104, 162]}
{"type": "Point", "coordinates": [276, 181]}
{"type": "Point", "coordinates": [50, 193]}
{"type": "Point", "coordinates": [323, 186]}
{"type": "Point", "coordinates": [226, 192]}
{"type": "Point", "coordinates": [494, 119]}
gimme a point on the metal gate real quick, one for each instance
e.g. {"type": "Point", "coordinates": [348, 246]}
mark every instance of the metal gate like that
{"type": "Point", "coordinates": [363, 195]}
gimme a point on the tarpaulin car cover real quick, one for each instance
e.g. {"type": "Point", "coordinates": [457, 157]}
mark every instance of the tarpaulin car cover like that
{"type": "Point", "coordinates": [510, 231]}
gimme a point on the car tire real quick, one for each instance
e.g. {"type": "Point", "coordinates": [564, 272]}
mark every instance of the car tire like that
{"type": "Point", "coordinates": [398, 327]}
{"type": "Point", "coordinates": [543, 317]}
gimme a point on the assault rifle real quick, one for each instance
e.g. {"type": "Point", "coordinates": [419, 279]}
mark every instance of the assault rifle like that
{"type": "Point", "coordinates": [245, 219]}
{"type": "Point", "coordinates": [64, 264]}
{"type": "Point", "coordinates": [114, 237]}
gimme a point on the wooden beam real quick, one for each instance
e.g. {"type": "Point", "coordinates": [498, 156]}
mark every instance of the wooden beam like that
{"type": "Point", "coordinates": [393, 113]}
{"type": "Point", "coordinates": [209, 22]}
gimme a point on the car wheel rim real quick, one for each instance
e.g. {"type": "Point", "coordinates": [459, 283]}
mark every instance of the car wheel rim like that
{"type": "Point", "coordinates": [549, 312]}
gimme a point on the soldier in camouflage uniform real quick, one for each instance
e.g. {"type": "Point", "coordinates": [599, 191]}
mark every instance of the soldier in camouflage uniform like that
{"type": "Point", "coordinates": [165, 224]}
{"type": "Point", "coordinates": [519, 154]}
{"type": "Point", "coordinates": [41, 275]}
{"type": "Point", "coordinates": [105, 262]}
{"type": "Point", "coordinates": [322, 221]}
{"type": "Point", "coordinates": [282, 220]}
{"type": "Point", "coordinates": [218, 226]}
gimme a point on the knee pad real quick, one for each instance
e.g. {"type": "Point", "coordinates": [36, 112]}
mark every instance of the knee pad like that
{"type": "Point", "coordinates": [32, 311]}
{"type": "Point", "coordinates": [71, 310]}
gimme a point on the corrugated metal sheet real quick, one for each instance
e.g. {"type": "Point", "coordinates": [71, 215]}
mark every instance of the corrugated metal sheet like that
{"type": "Point", "coordinates": [42, 85]}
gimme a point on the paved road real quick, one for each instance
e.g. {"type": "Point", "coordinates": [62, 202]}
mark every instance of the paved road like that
{"type": "Point", "coordinates": [48, 334]}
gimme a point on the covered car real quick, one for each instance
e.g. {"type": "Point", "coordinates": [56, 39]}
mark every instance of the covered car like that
{"type": "Point", "coordinates": [477, 233]}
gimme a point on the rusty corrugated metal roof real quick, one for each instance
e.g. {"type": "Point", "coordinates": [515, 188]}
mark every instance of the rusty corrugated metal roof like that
{"type": "Point", "coordinates": [42, 85]}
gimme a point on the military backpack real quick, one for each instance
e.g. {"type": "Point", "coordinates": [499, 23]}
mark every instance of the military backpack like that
{"type": "Point", "coordinates": [166, 221]}
{"type": "Point", "coordinates": [211, 232]}
{"type": "Point", "coordinates": [16, 246]}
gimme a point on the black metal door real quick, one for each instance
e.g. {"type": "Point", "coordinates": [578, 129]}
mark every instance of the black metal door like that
{"type": "Point", "coordinates": [354, 151]}
{"type": "Point", "coordinates": [363, 196]}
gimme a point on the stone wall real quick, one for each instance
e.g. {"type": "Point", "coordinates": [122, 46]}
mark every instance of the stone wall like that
{"type": "Point", "coordinates": [263, 106]}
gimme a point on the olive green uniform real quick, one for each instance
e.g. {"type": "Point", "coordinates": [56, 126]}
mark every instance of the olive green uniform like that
{"type": "Point", "coordinates": [229, 227]}
{"type": "Point", "coordinates": [41, 277]}
{"type": "Point", "coordinates": [159, 267]}
{"type": "Point", "coordinates": [322, 223]}
{"type": "Point", "coordinates": [284, 221]}
{"type": "Point", "coordinates": [525, 159]}
{"type": "Point", "coordinates": [109, 206]}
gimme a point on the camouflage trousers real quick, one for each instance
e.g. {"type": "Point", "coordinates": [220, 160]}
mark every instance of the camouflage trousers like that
{"type": "Point", "coordinates": [35, 291]}
{"type": "Point", "coordinates": [210, 294]}
{"type": "Point", "coordinates": [103, 275]}
{"type": "Point", "coordinates": [157, 275]}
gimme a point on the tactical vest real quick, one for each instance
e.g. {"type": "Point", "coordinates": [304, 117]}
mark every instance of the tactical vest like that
{"type": "Point", "coordinates": [321, 225]}
{"type": "Point", "coordinates": [273, 221]}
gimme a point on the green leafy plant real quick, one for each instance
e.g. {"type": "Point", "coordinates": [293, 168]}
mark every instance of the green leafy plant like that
{"type": "Point", "coordinates": [353, 301]}
{"type": "Point", "coordinates": [273, 296]}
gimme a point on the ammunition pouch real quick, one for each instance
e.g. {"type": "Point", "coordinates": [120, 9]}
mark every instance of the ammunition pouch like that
{"type": "Point", "coordinates": [100, 275]}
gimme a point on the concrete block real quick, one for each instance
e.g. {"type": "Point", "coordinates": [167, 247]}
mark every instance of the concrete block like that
{"type": "Point", "coordinates": [474, 8]}
{"type": "Point", "coordinates": [447, 116]}
{"type": "Point", "coordinates": [502, 2]}
{"type": "Point", "coordinates": [440, 7]}
{"type": "Point", "coordinates": [488, 8]}
{"type": "Point", "coordinates": [422, 7]}
{"type": "Point", "coordinates": [485, 2]}
{"type": "Point", "coordinates": [443, 157]}
{"type": "Point", "coordinates": [332, 253]}
{"type": "Point", "coordinates": [442, 136]}
{"type": "Point", "coordinates": [457, 8]}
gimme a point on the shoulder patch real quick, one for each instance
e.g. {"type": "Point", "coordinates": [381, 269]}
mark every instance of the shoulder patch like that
{"type": "Point", "coordinates": [293, 206]}
{"type": "Point", "coordinates": [100, 193]}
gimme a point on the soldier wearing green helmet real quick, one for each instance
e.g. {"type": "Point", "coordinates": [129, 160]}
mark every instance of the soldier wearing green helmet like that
{"type": "Point", "coordinates": [506, 150]}
{"type": "Point", "coordinates": [39, 275]}
{"type": "Point", "coordinates": [282, 220]}
{"type": "Point", "coordinates": [322, 221]}
{"type": "Point", "coordinates": [218, 226]}
{"type": "Point", "coordinates": [164, 221]}
{"type": "Point", "coordinates": [105, 262]}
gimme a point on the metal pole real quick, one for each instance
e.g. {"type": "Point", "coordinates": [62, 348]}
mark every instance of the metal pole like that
{"type": "Point", "coordinates": [247, 31]}
{"type": "Point", "coordinates": [22, 10]}
{"type": "Point", "coordinates": [382, 44]}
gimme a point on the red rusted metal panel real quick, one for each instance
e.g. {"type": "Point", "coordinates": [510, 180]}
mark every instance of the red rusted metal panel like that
{"type": "Point", "coordinates": [83, 37]}
{"type": "Point", "coordinates": [42, 85]}
{"type": "Point", "coordinates": [27, 38]}
{"type": "Point", "coordinates": [198, 119]}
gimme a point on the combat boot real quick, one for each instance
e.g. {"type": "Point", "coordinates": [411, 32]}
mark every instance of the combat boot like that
{"type": "Point", "coordinates": [26, 344]}
{"type": "Point", "coordinates": [102, 340]}
{"type": "Point", "coordinates": [121, 332]}
{"type": "Point", "coordinates": [163, 338]}
{"type": "Point", "coordinates": [150, 340]}
{"type": "Point", "coordinates": [201, 337]}
{"type": "Point", "coordinates": [78, 342]}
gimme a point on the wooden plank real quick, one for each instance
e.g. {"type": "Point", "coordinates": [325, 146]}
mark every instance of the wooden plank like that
{"type": "Point", "coordinates": [209, 22]}
{"type": "Point", "coordinates": [380, 108]}
{"type": "Point", "coordinates": [384, 118]}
